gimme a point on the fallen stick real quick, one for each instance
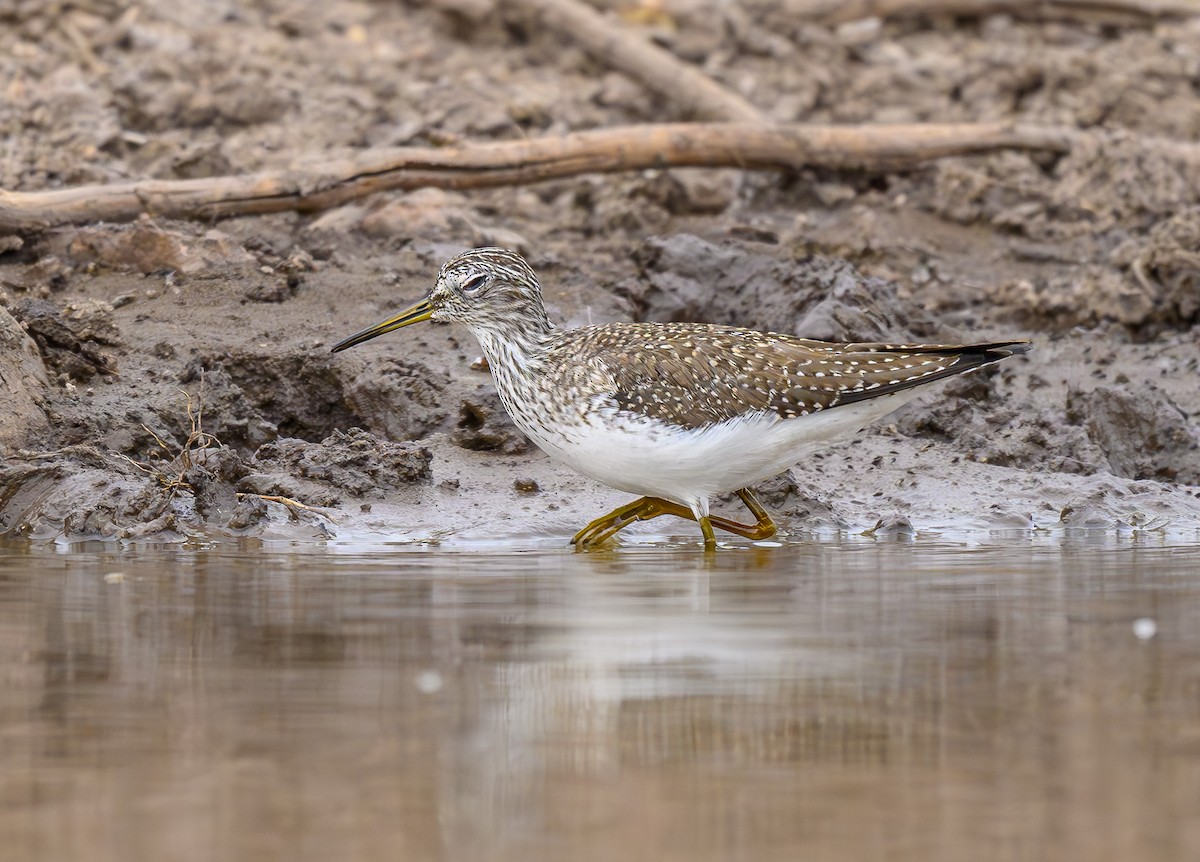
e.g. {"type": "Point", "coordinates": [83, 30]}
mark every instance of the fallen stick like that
{"type": "Point", "coordinates": [693, 93]}
{"type": "Point", "coordinates": [840, 11]}
{"type": "Point", "coordinates": [291, 505]}
{"type": "Point", "coordinates": [329, 183]}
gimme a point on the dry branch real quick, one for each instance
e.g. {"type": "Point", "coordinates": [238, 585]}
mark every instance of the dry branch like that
{"type": "Point", "coordinates": [840, 11]}
{"type": "Point", "coordinates": [331, 183]}
{"type": "Point", "coordinates": [692, 92]}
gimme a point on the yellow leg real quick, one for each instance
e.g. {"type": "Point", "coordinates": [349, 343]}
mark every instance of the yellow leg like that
{"type": "Point", "coordinates": [764, 528]}
{"type": "Point", "coordinates": [645, 508]}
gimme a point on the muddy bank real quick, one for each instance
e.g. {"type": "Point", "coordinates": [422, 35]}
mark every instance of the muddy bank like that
{"type": "Point", "coordinates": [168, 379]}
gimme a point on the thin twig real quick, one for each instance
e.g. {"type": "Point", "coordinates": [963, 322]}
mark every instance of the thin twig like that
{"type": "Point", "coordinates": [289, 503]}
{"type": "Point", "coordinates": [82, 48]}
{"type": "Point", "coordinates": [198, 439]}
{"type": "Point", "coordinates": [158, 440]}
{"type": "Point", "coordinates": [149, 471]}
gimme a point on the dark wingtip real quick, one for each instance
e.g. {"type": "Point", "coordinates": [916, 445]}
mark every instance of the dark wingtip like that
{"type": "Point", "coordinates": [1009, 348]}
{"type": "Point", "coordinates": [988, 351]}
{"type": "Point", "coordinates": [968, 357]}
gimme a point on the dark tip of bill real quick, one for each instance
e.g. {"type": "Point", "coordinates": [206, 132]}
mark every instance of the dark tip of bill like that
{"type": "Point", "coordinates": [346, 342]}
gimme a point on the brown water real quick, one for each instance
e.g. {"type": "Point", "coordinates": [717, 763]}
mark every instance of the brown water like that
{"type": "Point", "coordinates": [821, 701]}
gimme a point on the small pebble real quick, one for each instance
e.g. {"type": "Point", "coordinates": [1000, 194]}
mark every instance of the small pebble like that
{"type": "Point", "coordinates": [860, 32]}
{"type": "Point", "coordinates": [1145, 628]}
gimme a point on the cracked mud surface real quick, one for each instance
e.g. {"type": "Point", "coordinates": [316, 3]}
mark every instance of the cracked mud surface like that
{"type": "Point", "coordinates": [173, 375]}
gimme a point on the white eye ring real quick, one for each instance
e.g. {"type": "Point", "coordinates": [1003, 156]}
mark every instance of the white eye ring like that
{"type": "Point", "coordinates": [472, 284]}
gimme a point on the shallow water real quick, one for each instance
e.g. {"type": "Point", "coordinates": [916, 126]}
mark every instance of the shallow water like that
{"type": "Point", "coordinates": [863, 700]}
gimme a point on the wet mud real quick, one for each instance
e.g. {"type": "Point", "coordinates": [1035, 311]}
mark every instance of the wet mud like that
{"type": "Point", "coordinates": [173, 379]}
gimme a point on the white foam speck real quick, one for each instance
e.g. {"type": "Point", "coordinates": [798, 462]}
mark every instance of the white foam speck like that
{"type": "Point", "coordinates": [429, 682]}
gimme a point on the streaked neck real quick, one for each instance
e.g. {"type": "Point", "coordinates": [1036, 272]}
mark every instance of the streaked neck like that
{"type": "Point", "coordinates": [518, 342]}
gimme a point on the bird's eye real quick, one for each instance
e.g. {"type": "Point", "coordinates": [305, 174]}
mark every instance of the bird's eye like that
{"type": "Point", "coordinates": [472, 284]}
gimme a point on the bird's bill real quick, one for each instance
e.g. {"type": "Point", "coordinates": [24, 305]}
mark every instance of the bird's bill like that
{"type": "Point", "coordinates": [415, 313]}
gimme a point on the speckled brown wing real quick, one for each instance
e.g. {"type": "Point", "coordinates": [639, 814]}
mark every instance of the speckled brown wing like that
{"type": "Point", "coordinates": [691, 375]}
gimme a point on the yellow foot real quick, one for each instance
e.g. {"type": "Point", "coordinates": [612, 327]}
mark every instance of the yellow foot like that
{"type": "Point", "coordinates": [645, 508]}
{"type": "Point", "coordinates": [763, 528]}
{"type": "Point", "coordinates": [602, 529]}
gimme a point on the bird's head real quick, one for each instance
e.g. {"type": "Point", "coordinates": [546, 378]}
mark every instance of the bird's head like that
{"type": "Point", "coordinates": [492, 291]}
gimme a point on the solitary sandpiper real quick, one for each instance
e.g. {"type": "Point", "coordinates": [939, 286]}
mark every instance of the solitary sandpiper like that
{"type": "Point", "coordinates": [675, 412]}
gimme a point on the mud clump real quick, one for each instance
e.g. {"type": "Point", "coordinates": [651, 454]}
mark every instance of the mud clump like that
{"type": "Point", "coordinates": [71, 339]}
{"type": "Point", "coordinates": [1166, 266]}
{"type": "Point", "coordinates": [990, 420]}
{"type": "Point", "coordinates": [684, 277]}
{"type": "Point", "coordinates": [145, 248]}
{"type": "Point", "coordinates": [1160, 291]}
{"type": "Point", "coordinates": [24, 380]}
{"type": "Point", "coordinates": [229, 414]}
{"type": "Point", "coordinates": [252, 398]}
{"type": "Point", "coordinates": [398, 399]}
{"type": "Point", "coordinates": [854, 308]}
{"type": "Point", "coordinates": [354, 461]}
{"type": "Point", "coordinates": [294, 394]}
{"type": "Point", "coordinates": [484, 426]}
{"type": "Point", "coordinates": [525, 485]}
{"type": "Point", "coordinates": [249, 511]}
{"type": "Point", "coordinates": [82, 491]}
{"type": "Point", "coordinates": [964, 411]}
{"type": "Point", "coordinates": [271, 291]}
{"type": "Point", "coordinates": [1142, 433]}
{"type": "Point", "coordinates": [211, 478]}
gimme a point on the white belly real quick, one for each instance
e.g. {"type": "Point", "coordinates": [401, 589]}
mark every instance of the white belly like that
{"type": "Point", "coordinates": [650, 458]}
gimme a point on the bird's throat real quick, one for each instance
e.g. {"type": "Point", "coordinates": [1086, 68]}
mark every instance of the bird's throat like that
{"type": "Point", "coordinates": [515, 350]}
